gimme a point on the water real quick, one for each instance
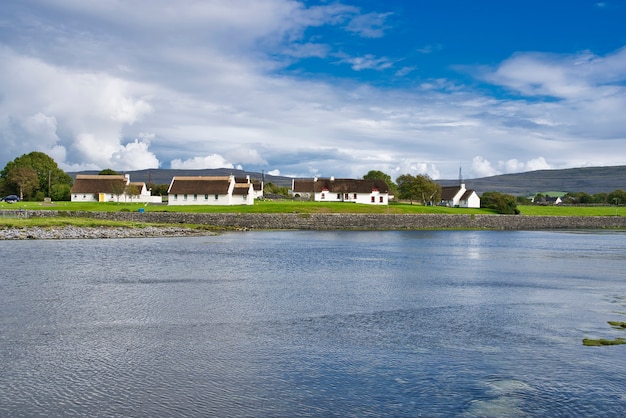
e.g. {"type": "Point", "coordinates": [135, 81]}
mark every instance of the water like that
{"type": "Point", "coordinates": [413, 323]}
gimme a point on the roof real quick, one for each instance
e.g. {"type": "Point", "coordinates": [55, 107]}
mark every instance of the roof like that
{"type": "Point", "coordinates": [340, 186]}
{"type": "Point", "coordinates": [86, 183]}
{"type": "Point", "coordinates": [241, 189]}
{"type": "Point", "coordinates": [448, 192]}
{"type": "Point", "coordinates": [303, 186]}
{"type": "Point", "coordinates": [467, 194]}
{"type": "Point", "coordinates": [200, 185]}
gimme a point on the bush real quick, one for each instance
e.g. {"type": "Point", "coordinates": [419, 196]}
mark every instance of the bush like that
{"type": "Point", "coordinates": [505, 204]}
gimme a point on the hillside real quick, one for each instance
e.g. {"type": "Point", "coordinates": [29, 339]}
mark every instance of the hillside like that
{"type": "Point", "coordinates": [587, 179]}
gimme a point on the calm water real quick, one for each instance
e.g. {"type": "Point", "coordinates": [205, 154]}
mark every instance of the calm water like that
{"type": "Point", "coordinates": [415, 323]}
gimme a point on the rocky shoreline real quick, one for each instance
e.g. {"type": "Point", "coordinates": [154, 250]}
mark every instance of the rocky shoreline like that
{"type": "Point", "coordinates": [73, 232]}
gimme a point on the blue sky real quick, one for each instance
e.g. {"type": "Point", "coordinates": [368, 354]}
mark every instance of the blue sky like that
{"type": "Point", "coordinates": [304, 88]}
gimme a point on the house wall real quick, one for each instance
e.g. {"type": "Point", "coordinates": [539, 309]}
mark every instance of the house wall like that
{"type": "Point", "coordinates": [363, 198]}
{"type": "Point", "coordinates": [198, 199]}
{"type": "Point", "coordinates": [472, 202]}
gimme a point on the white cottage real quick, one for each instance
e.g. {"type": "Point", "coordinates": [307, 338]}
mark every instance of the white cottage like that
{"type": "Point", "coordinates": [110, 188]}
{"type": "Point", "coordinates": [459, 196]}
{"type": "Point", "coordinates": [370, 192]}
{"type": "Point", "coordinates": [210, 190]}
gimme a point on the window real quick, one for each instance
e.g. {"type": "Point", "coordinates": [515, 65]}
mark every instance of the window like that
{"type": "Point", "coordinates": [245, 197]}
{"type": "Point", "coordinates": [175, 196]}
{"type": "Point", "coordinates": [184, 197]}
{"type": "Point", "coordinates": [381, 199]}
{"type": "Point", "coordinates": [217, 196]}
{"type": "Point", "coordinates": [338, 196]}
{"type": "Point", "coordinates": [373, 199]}
{"type": "Point", "coordinates": [206, 197]}
{"type": "Point", "coordinates": [323, 196]}
{"type": "Point", "coordinates": [195, 197]}
{"type": "Point", "coordinates": [346, 196]}
{"type": "Point", "coordinates": [355, 196]}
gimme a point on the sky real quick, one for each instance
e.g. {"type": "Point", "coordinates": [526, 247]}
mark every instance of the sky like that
{"type": "Point", "coordinates": [315, 88]}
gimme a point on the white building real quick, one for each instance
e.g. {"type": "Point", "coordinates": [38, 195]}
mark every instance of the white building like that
{"type": "Point", "coordinates": [459, 196]}
{"type": "Point", "coordinates": [370, 192]}
{"type": "Point", "coordinates": [110, 188]}
{"type": "Point", "coordinates": [210, 190]}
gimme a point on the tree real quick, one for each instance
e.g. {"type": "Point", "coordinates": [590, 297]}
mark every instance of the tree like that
{"type": "Point", "coordinates": [46, 169]}
{"type": "Point", "coordinates": [379, 175]}
{"type": "Point", "coordinates": [419, 188]}
{"type": "Point", "coordinates": [108, 172]}
{"type": "Point", "coordinates": [617, 197]}
{"type": "Point", "coordinates": [502, 203]}
{"type": "Point", "coordinates": [132, 191]}
{"type": "Point", "coordinates": [25, 178]}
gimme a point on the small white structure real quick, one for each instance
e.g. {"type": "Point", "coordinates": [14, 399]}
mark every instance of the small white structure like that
{"type": "Point", "coordinates": [210, 190]}
{"type": "Point", "coordinates": [459, 196]}
{"type": "Point", "coordinates": [110, 188]}
{"type": "Point", "coordinates": [370, 192]}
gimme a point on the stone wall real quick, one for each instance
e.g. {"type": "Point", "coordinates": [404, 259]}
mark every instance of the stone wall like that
{"type": "Point", "coordinates": [354, 221]}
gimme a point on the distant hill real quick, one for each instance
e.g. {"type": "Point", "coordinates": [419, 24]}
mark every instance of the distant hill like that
{"type": "Point", "coordinates": [590, 180]}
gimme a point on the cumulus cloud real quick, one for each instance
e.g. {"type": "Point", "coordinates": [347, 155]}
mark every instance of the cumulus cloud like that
{"type": "Point", "coordinates": [195, 163]}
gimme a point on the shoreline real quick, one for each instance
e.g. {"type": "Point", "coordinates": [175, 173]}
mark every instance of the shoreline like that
{"type": "Point", "coordinates": [97, 232]}
{"type": "Point", "coordinates": [213, 223]}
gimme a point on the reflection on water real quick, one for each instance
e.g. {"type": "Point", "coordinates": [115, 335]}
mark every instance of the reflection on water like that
{"type": "Point", "coordinates": [414, 323]}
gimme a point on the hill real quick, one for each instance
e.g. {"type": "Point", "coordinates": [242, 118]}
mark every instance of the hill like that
{"type": "Point", "coordinates": [590, 180]}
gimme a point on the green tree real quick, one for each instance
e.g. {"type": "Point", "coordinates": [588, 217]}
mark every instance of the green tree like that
{"type": "Point", "coordinates": [502, 203]}
{"type": "Point", "coordinates": [47, 171]}
{"type": "Point", "coordinates": [132, 191]}
{"type": "Point", "coordinates": [617, 197]}
{"type": "Point", "coordinates": [379, 175]}
{"type": "Point", "coordinates": [418, 188]}
{"type": "Point", "coordinates": [108, 172]}
{"type": "Point", "coordinates": [270, 188]}
{"type": "Point", "coordinates": [25, 179]}
{"type": "Point", "coordinates": [158, 189]}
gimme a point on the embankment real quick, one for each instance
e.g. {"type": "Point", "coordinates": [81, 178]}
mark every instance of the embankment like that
{"type": "Point", "coordinates": [319, 221]}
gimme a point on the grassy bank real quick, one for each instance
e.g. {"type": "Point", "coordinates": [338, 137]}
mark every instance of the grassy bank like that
{"type": "Point", "coordinates": [263, 206]}
{"type": "Point", "coordinates": [289, 206]}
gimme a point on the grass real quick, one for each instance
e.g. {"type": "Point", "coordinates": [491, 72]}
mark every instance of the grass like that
{"type": "Point", "coordinates": [290, 206]}
{"type": "Point", "coordinates": [263, 206]}
{"type": "Point", "coordinates": [532, 210]}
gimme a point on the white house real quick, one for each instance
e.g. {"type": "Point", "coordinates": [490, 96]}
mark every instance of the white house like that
{"type": "Point", "coordinates": [459, 196]}
{"type": "Point", "coordinates": [370, 192]}
{"type": "Point", "coordinates": [210, 190]}
{"type": "Point", "coordinates": [110, 188]}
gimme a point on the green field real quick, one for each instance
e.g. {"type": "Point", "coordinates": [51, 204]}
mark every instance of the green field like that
{"type": "Point", "coordinates": [290, 206]}
{"type": "Point", "coordinates": [263, 206]}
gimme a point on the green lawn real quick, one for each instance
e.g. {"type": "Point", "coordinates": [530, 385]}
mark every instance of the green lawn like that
{"type": "Point", "coordinates": [289, 206]}
{"type": "Point", "coordinates": [263, 206]}
{"type": "Point", "coordinates": [572, 210]}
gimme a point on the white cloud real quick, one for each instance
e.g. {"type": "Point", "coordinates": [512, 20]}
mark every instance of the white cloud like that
{"type": "Point", "coordinates": [275, 172]}
{"type": "Point", "coordinates": [210, 161]}
{"type": "Point", "coordinates": [368, 62]}
{"type": "Point", "coordinates": [482, 167]}
{"type": "Point", "coordinates": [370, 25]}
